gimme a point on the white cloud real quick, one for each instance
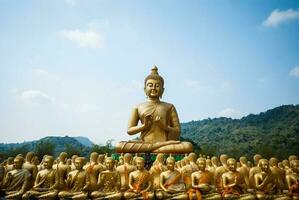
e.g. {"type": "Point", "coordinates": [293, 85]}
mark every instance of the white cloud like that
{"type": "Point", "coordinates": [36, 97]}
{"type": "Point", "coordinates": [295, 72]}
{"type": "Point", "coordinates": [230, 112]}
{"type": "Point", "coordinates": [89, 39]}
{"type": "Point", "coordinates": [191, 83]}
{"type": "Point", "coordinates": [278, 17]}
{"type": "Point", "coordinates": [44, 74]}
{"type": "Point", "coordinates": [71, 2]}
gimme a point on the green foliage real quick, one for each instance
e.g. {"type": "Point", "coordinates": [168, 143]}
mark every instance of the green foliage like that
{"type": "Point", "coordinates": [14, 151]}
{"type": "Point", "coordinates": [271, 133]}
{"type": "Point", "coordinates": [44, 148]}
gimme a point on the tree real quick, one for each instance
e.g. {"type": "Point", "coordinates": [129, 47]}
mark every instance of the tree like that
{"type": "Point", "coordinates": [44, 148]}
{"type": "Point", "coordinates": [72, 150]}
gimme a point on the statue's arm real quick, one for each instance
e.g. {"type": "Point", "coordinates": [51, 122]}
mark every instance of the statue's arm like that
{"type": "Point", "coordinates": [133, 127]}
{"type": "Point", "coordinates": [174, 127]}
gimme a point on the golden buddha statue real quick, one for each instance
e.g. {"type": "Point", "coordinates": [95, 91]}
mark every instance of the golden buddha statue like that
{"type": "Point", "coordinates": [62, 170]}
{"type": "Point", "coordinates": [278, 173]}
{"type": "Point", "coordinates": [244, 170]}
{"type": "Point", "coordinates": [171, 183]}
{"type": "Point", "coordinates": [16, 181]}
{"type": "Point", "coordinates": [219, 171]}
{"type": "Point", "coordinates": [77, 182]}
{"type": "Point", "coordinates": [202, 182]}
{"type": "Point", "coordinates": [156, 169]}
{"type": "Point", "coordinates": [266, 183]}
{"type": "Point", "coordinates": [233, 183]}
{"type": "Point", "coordinates": [30, 167]}
{"type": "Point", "coordinates": [108, 183]}
{"type": "Point", "coordinates": [254, 170]}
{"type": "Point", "coordinates": [139, 182]}
{"type": "Point", "coordinates": [292, 180]}
{"type": "Point", "coordinates": [124, 171]}
{"type": "Point", "coordinates": [188, 169]}
{"type": "Point", "coordinates": [160, 126]}
{"type": "Point", "coordinates": [46, 183]}
{"type": "Point", "coordinates": [93, 170]}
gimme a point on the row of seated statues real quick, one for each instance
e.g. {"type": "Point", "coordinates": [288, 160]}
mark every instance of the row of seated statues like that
{"type": "Point", "coordinates": [193, 177]}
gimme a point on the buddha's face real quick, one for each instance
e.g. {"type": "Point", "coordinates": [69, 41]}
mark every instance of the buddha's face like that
{"type": "Point", "coordinates": [79, 164]}
{"type": "Point", "coordinates": [48, 163]}
{"type": "Point", "coordinates": [109, 163]}
{"type": "Point", "coordinates": [170, 164]}
{"type": "Point", "coordinates": [295, 166]}
{"type": "Point", "coordinates": [153, 88]}
{"type": "Point", "coordinates": [201, 165]}
{"type": "Point", "coordinates": [18, 163]}
{"type": "Point", "coordinates": [232, 165]}
{"type": "Point", "coordinates": [93, 157]}
{"type": "Point", "coordinates": [264, 165]}
{"type": "Point", "coordinates": [139, 164]}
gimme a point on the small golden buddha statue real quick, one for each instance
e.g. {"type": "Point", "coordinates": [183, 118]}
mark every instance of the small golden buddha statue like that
{"type": "Point", "coordinates": [108, 183]}
{"type": "Point", "coordinates": [62, 170]}
{"type": "Point", "coordinates": [292, 180]}
{"type": "Point", "coordinates": [46, 183]}
{"type": "Point", "coordinates": [93, 170]}
{"type": "Point", "coordinates": [160, 126]}
{"type": "Point", "coordinates": [219, 171]}
{"type": "Point", "coordinates": [171, 183]}
{"type": "Point", "coordinates": [77, 182]}
{"type": "Point", "coordinates": [254, 170]}
{"type": "Point", "coordinates": [266, 183]}
{"type": "Point", "coordinates": [188, 169]}
{"type": "Point", "coordinates": [124, 171]}
{"type": "Point", "coordinates": [203, 183]}
{"type": "Point", "coordinates": [278, 173]}
{"type": "Point", "coordinates": [156, 169]}
{"type": "Point", "coordinates": [73, 166]}
{"type": "Point", "coordinates": [139, 182]}
{"type": "Point", "coordinates": [244, 170]}
{"type": "Point", "coordinates": [30, 167]}
{"type": "Point", "coordinates": [16, 181]}
{"type": "Point", "coordinates": [233, 183]}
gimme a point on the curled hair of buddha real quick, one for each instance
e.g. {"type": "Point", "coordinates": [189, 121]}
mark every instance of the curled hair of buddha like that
{"type": "Point", "coordinates": [154, 75]}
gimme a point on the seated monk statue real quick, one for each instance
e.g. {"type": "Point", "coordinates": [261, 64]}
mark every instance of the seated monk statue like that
{"type": "Point", "coordinates": [16, 181]}
{"type": "Point", "coordinates": [108, 183]}
{"type": "Point", "coordinates": [233, 183]}
{"type": "Point", "coordinates": [203, 183]}
{"type": "Point", "coordinates": [266, 183]}
{"type": "Point", "coordinates": [30, 167]}
{"type": "Point", "coordinates": [62, 170]}
{"type": "Point", "coordinates": [188, 169]}
{"type": "Point", "coordinates": [292, 180]}
{"type": "Point", "coordinates": [219, 171]}
{"type": "Point", "coordinates": [46, 183]}
{"type": "Point", "coordinates": [93, 170]}
{"type": "Point", "coordinates": [171, 183]}
{"type": "Point", "coordinates": [140, 183]}
{"type": "Point", "coordinates": [77, 182]}
{"type": "Point", "coordinates": [160, 126]}
{"type": "Point", "coordinates": [156, 169]}
{"type": "Point", "coordinates": [124, 171]}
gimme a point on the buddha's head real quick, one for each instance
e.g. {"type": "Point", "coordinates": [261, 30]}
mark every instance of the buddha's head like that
{"type": "Point", "coordinates": [295, 166]}
{"type": "Point", "coordinates": [127, 158]}
{"type": "Point", "coordinates": [201, 163]}
{"type": "Point", "coordinates": [29, 156]}
{"type": "Point", "coordinates": [232, 164]}
{"type": "Point", "coordinates": [139, 163]}
{"type": "Point", "coordinates": [223, 159]}
{"type": "Point", "coordinates": [264, 165]}
{"type": "Point", "coordinates": [18, 162]}
{"type": "Point", "coordinates": [160, 158]}
{"type": "Point", "coordinates": [154, 84]}
{"type": "Point", "coordinates": [109, 163]}
{"type": "Point", "coordinates": [62, 157]}
{"type": "Point", "coordinates": [293, 157]}
{"type": "Point", "coordinates": [256, 158]}
{"type": "Point", "coordinates": [48, 162]}
{"type": "Point", "coordinates": [273, 162]}
{"type": "Point", "coordinates": [101, 158]}
{"type": "Point", "coordinates": [170, 162]}
{"type": "Point", "coordinates": [215, 161]}
{"type": "Point", "coordinates": [94, 157]}
{"type": "Point", "coordinates": [79, 163]}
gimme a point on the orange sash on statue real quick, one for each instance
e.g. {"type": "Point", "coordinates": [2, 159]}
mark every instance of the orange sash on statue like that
{"type": "Point", "coordinates": [203, 179]}
{"type": "Point", "coordinates": [172, 181]}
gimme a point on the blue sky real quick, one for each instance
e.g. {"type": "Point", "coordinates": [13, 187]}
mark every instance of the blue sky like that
{"type": "Point", "coordinates": [74, 67]}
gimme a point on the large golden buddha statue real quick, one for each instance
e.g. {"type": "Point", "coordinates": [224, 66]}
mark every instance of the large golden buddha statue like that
{"type": "Point", "coordinates": [160, 126]}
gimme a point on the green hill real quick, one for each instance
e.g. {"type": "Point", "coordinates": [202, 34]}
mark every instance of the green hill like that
{"type": "Point", "coordinates": [271, 133]}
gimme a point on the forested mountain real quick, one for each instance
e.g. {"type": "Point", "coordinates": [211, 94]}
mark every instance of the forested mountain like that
{"type": "Point", "coordinates": [271, 133]}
